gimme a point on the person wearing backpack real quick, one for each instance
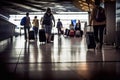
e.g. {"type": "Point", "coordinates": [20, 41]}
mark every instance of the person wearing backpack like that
{"type": "Point", "coordinates": [48, 22]}
{"type": "Point", "coordinates": [98, 20]}
{"type": "Point", "coordinates": [27, 24]}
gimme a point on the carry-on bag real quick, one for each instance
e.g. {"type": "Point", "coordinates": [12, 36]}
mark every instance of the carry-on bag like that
{"type": "Point", "coordinates": [81, 32]}
{"type": "Point", "coordinates": [71, 33]}
{"type": "Point", "coordinates": [42, 37]}
{"type": "Point", "coordinates": [66, 32]}
{"type": "Point", "coordinates": [52, 37]}
{"type": "Point", "coordinates": [31, 35]}
{"type": "Point", "coordinates": [90, 39]}
{"type": "Point", "coordinates": [77, 33]}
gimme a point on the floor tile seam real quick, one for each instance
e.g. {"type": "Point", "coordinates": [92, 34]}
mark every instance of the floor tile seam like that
{"type": "Point", "coordinates": [17, 61]}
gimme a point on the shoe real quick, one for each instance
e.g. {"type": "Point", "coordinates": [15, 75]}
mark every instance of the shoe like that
{"type": "Point", "coordinates": [48, 41]}
{"type": "Point", "coordinates": [98, 46]}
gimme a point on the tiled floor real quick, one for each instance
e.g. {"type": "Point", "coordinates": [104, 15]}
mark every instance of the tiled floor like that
{"type": "Point", "coordinates": [64, 59]}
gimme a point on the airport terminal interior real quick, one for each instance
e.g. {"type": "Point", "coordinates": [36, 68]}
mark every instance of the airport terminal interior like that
{"type": "Point", "coordinates": [65, 58]}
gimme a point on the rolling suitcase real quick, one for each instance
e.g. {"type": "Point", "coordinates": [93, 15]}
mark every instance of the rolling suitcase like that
{"type": "Point", "coordinates": [77, 33]}
{"type": "Point", "coordinates": [71, 33]}
{"type": "Point", "coordinates": [81, 32]}
{"type": "Point", "coordinates": [66, 32]}
{"type": "Point", "coordinates": [31, 35]}
{"type": "Point", "coordinates": [52, 37]}
{"type": "Point", "coordinates": [90, 40]}
{"type": "Point", "coordinates": [42, 37]}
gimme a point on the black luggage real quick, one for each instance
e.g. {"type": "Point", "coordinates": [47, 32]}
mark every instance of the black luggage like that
{"type": "Point", "coordinates": [81, 32]}
{"type": "Point", "coordinates": [31, 35]}
{"type": "Point", "coordinates": [67, 32]}
{"type": "Point", "coordinates": [90, 40]}
{"type": "Point", "coordinates": [42, 37]}
{"type": "Point", "coordinates": [52, 37]}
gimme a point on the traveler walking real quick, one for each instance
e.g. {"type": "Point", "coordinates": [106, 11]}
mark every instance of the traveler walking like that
{"type": "Point", "coordinates": [78, 26]}
{"type": "Point", "coordinates": [26, 23]}
{"type": "Point", "coordinates": [35, 23]}
{"type": "Point", "coordinates": [48, 22]}
{"type": "Point", "coordinates": [98, 20]}
{"type": "Point", "coordinates": [59, 27]}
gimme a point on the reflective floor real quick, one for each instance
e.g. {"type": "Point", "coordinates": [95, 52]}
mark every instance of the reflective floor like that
{"type": "Point", "coordinates": [64, 59]}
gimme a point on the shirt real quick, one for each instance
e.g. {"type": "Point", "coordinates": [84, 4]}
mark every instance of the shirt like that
{"type": "Point", "coordinates": [92, 19]}
{"type": "Point", "coordinates": [35, 22]}
{"type": "Point", "coordinates": [59, 24]}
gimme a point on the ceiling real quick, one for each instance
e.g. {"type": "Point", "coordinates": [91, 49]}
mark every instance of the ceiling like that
{"type": "Point", "coordinates": [23, 6]}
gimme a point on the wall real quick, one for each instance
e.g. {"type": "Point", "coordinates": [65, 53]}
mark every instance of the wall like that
{"type": "Point", "coordinates": [117, 43]}
{"type": "Point", "coordinates": [109, 38]}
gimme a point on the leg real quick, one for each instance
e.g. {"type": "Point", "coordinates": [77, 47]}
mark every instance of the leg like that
{"type": "Point", "coordinates": [59, 31]}
{"type": "Point", "coordinates": [36, 31]}
{"type": "Point", "coordinates": [96, 33]}
{"type": "Point", "coordinates": [49, 34]}
{"type": "Point", "coordinates": [25, 33]}
{"type": "Point", "coordinates": [49, 38]}
{"type": "Point", "coordinates": [101, 30]}
{"type": "Point", "coordinates": [46, 34]}
{"type": "Point", "coordinates": [28, 30]}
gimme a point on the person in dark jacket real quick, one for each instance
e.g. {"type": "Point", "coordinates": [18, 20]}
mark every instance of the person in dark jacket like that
{"type": "Point", "coordinates": [27, 26]}
{"type": "Point", "coordinates": [78, 26]}
{"type": "Point", "coordinates": [59, 26]}
{"type": "Point", "coordinates": [48, 22]}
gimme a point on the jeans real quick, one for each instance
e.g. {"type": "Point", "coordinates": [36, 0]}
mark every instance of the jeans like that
{"type": "Point", "coordinates": [26, 31]}
{"type": "Point", "coordinates": [36, 31]}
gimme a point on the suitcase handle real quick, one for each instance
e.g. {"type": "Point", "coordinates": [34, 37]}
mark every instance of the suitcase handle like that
{"type": "Point", "coordinates": [89, 28]}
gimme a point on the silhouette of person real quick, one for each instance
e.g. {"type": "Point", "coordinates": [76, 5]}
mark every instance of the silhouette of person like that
{"type": "Point", "coordinates": [59, 26]}
{"type": "Point", "coordinates": [35, 23]}
{"type": "Point", "coordinates": [48, 22]}
{"type": "Point", "coordinates": [71, 26]}
{"type": "Point", "coordinates": [78, 26]}
{"type": "Point", "coordinates": [98, 26]}
{"type": "Point", "coordinates": [27, 26]}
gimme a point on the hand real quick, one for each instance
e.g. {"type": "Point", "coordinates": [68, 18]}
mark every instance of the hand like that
{"type": "Point", "coordinates": [90, 25]}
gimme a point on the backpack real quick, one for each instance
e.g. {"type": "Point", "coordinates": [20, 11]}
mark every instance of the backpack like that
{"type": "Point", "coordinates": [100, 14]}
{"type": "Point", "coordinates": [47, 19]}
{"type": "Point", "coordinates": [23, 21]}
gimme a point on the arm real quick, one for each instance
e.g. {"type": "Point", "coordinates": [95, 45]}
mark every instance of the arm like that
{"type": "Point", "coordinates": [53, 20]}
{"type": "Point", "coordinates": [91, 18]}
{"type": "Point", "coordinates": [61, 25]}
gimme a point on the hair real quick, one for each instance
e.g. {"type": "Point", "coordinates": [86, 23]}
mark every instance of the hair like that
{"type": "Point", "coordinates": [35, 16]}
{"type": "Point", "coordinates": [97, 2]}
{"type": "Point", "coordinates": [27, 14]}
{"type": "Point", "coordinates": [48, 10]}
